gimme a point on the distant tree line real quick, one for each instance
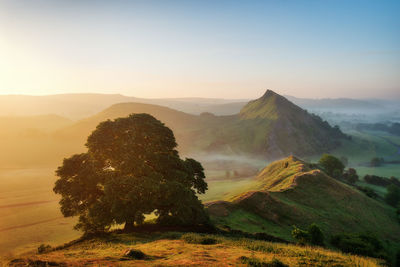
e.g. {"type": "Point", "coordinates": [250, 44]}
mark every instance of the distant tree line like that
{"type": "Point", "coordinates": [381, 181]}
{"type": "Point", "coordinates": [376, 162]}
{"type": "Point", "coordinates": [393, 128]}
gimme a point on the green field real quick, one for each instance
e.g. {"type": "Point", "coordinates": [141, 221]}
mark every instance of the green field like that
{"type": "Point", "coordinates": [366, 145]}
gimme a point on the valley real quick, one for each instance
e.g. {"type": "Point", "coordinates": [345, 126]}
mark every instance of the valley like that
{"type": "Point", "coordinates": [29, 209]}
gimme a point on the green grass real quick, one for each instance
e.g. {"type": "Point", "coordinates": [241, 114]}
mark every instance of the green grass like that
{"type": "Point", "coordinates": [304, 197]}
{"type": "Point", "coordinates": [380, 190]}
{"type": "Point", "coordinates": [386, 170]}
{"type": "Point", "coordinates": [250, 222]}
{"type": "Point", "coordinates": [226, 189]}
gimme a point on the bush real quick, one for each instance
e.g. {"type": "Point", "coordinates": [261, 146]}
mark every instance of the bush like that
{"type": "Point", "coordinates": [360, 244]}
{"type": "Point", "coordinates": [398, 213]}
{"type": "Point", "coordinates": [43, 248]}
{"type": "Point", "coordinates": [316, 235]}
{"type": "Point", "coordinates": [368, 191]}
{"type": "Point", "coordinates": [313, 236]}
{"type": "Point", "coordinates": [301, 236]}
{"type": "Point", "coordinates": [392, 196]}
{"type": "Point", "coordinates": [350, 176]}
{"type": "Point", "coordinates": [376, 162]}
{"type": "Point", "coordinates": [377, 180]}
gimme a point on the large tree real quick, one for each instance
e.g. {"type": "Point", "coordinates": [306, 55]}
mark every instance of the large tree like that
{"type": "Point", "coordinates": [131, 168]}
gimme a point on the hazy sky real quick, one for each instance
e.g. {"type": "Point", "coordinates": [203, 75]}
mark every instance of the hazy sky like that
{"type": "Point", "coordinates": [230, 49]}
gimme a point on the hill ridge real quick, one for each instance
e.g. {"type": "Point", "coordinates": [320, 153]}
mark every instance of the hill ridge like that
{"type": "Point", "coordinates": [293, 192]}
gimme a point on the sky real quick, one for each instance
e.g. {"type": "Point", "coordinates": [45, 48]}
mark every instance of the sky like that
{"type": "Point", "coordinates": [219, 49]}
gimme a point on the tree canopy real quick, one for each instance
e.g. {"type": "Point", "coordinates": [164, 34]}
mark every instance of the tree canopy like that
{"type": "Point", "coordinates": [332, 165]}
{"type": "Point", "coordinates": [131, 168]}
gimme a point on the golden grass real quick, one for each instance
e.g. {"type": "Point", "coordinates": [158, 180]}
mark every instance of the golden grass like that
{"type": "Point", "coordinates": [167, 252]}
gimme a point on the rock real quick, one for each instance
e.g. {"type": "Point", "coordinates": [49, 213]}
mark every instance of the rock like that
{"type": "Point", "coordinates": [134, 254]}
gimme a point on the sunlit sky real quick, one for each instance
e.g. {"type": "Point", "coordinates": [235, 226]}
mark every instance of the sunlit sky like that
{"type": "Point", "coordinates": [224, 49]}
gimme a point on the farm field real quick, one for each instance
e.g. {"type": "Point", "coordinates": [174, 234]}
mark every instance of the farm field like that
{"type": "Point", "coordinates": [29, 211]}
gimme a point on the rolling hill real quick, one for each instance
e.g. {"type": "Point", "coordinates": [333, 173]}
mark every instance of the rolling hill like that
{"type": "Point", "coordinates": [78, 106]}
{"type": "Point", "coordinates": [292, 192]}
{"type": "Point", "coordinates": [273, 127]}
{"type": "Point", "coordinates": [269, 127]}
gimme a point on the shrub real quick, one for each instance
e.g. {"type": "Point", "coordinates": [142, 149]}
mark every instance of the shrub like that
{"type": "Point", "coordinates": [350, 176]}
{"type": "Point", "coordinates": [368, 191]}
{"type": "Point", "coordinates": [359, 243]}
{"type": "Point", "coordinates": [376, 162]}
{"type": "Point", "coordinates": [398, 213]}
{"type": "Point", "coordinates": [392, 196]}
{"type": "Point", "coordinates": [301, 236]}
{"type": "Point", "coordinates": [316, 235]}
{"type": "Point", "coordinates": [313, 236]}
{"type": "Point", "coordinates": [377, 180]}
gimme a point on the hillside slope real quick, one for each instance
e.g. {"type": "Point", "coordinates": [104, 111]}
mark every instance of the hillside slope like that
{"type": "Point", "coordinates": [187, 128]}
{"type": "Point", "coordinates": [292, 192]}
{"type": "Point", "coordinates": [269, 127]}
{"type": "Point", "coordinates": [177, 249]}
{"type": "Point", "coordinates": [274, 127]}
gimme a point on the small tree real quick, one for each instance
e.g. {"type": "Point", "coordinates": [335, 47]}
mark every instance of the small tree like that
{"type": "Point", "coordinates": [392, 196]}
{"type": "Point", "coordinates": [332, 165]}
{"type": "Point", "coordinates": [376, 162]}
{"type": "Point", "coordinates": [350, 176]}
{"type": "Point", "coordinates": [313, 236]}
{"type": "Point", "coordinates": [131, 169]}
{"type": "Point", "coordinates": [301, 236]}
{"type": "Point", "coordinates": [316, 235]}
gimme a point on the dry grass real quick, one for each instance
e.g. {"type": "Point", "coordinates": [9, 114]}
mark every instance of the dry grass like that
{"type": "Point", "coordinates": [163, 251]}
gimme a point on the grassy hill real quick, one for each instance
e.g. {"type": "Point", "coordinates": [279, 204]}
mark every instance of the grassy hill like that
{"type": "Point", "coordinates": [292, 192]}
{"type": "Point", "coordinates": [269, 127]}
{"type": "Point", "coordinates": [178, 249]}
{"type": "Point", "coordinates": [186, 127]}
{"type": "Point", "coordinates": [78, 106]}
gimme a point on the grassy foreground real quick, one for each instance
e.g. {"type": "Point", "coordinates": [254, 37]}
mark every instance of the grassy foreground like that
{"type": "Point", "coordinates": [190, 249]}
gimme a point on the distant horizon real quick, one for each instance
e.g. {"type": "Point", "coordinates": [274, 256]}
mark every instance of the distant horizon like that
{"type": "Point", "coordinates": [208, 49]}
{"type": "Point", "coordinates": [202, 97]}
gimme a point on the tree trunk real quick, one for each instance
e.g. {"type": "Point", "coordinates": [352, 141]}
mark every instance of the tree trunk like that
{"type": "Point", "coordinates": [129, 226]}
